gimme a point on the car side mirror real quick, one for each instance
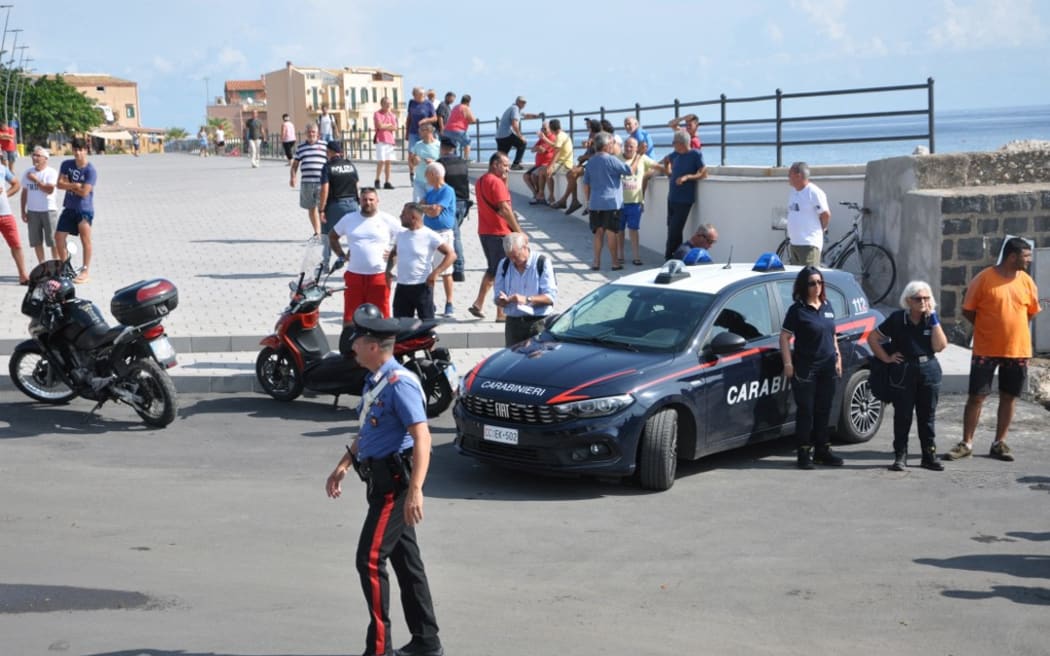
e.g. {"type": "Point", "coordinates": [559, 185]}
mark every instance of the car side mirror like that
{"type": "Point", "coordinates": [727, 342]}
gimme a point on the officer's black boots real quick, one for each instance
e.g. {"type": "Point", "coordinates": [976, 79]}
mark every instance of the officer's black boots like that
{"type": "Point", "coordinates": [900, 461]}
{"type": "Point", "coordinates": [805, 457]}
{"type": "Point", "coordinates": [929, 459]}
{"type": "Point", "coordinates": [824, 456]}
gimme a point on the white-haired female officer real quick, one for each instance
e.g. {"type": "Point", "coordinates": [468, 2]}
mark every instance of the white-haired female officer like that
{"type": "Point", "coordinates": [916, 336]}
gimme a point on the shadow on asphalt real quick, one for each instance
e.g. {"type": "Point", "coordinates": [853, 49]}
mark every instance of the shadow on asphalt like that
{"type": "Point", "coordinates": [31, 419]}
{"type": "Point", "coordinates": [1019, 565]}
{"type": "Point", "coordinates": [318, 409]}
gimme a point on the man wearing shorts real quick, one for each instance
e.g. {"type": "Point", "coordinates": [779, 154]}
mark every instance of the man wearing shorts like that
{"type": "Point", "coordinates": [310, 156]}
{"type": "Point", "coordinates": [421, 256]}
{"type": "Point", "coordinates": [603, 191]}
{"type": "Point", "coordinates": [563, 158]}
{"type": "Point", "coordinates": [255, 132]}
{"type": "Point", "coordinates": [9, 146]}
{"type": "Point", "coordinates": [999, 303]}
{"type": "Point", "coordinates": [288, 138]}
{"type": "Point", "coordinates": [77, 177]}
{"type": "Point", "coordinates": [39, 209]}
{"type": "Point", "coordinates": [642, 168]}
{"type": "Point", "coordinates": [496, 218]}
{"type": "Point", "coordinates": [9, 227]}
{"type": "Point", "coordinates": [385, 125]}
{"type": "Point", "coordinates": [370, 236]}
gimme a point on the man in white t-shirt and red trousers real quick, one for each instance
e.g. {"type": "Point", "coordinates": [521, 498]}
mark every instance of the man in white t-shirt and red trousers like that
{"type": "Point", "coordinates": [808, 217]}
{"type": "Point", "coordinates": [417, 267]}
{"type": "Point", "coordinates": [370, 236]}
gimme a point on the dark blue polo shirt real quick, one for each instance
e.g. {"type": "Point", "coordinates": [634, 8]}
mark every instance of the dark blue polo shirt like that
{"type": "Point", "coordinates": [814, 332]}
{"type": "Point", "coordinates": [909, 339]}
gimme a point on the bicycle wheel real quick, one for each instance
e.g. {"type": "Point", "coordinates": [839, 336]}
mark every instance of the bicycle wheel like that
{"type": "Point", "coordinates": [784, 250]}
{"type": "Point", "coordinates": [873, 267]}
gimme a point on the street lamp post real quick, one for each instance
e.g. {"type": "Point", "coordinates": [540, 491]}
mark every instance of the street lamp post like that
{"type": "Point", "coordinates": [7, 87]}
{"type": "Point", "coordinates": [20, 92]}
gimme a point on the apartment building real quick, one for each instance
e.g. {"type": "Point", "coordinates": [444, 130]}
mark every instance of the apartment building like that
{"type": "Point", "coordinates": [352, 95]}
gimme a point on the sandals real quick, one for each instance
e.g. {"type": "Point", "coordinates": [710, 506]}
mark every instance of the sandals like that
{"type": "Point", "coordinates": [473, 309]}
{"type": "Point", "coordinates": [637, 262]}
{"type": "Point", "coordinates": [82, 277]}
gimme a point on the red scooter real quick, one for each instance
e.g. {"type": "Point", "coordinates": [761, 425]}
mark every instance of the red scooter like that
{"type": "Point", "coordinates": [296, 356]}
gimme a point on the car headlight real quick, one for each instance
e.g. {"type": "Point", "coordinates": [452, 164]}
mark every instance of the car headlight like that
{"type": "Point", "coordinates": [600, 407]}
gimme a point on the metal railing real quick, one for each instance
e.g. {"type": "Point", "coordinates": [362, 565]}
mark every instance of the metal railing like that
{"type": "Point", "coordinates": [358, 144]}
{"type": "Point", "coordinates": [484, 140]}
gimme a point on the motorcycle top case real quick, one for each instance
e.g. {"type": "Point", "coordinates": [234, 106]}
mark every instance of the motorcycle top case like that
{"type": "Point", "coordinates": [144, 301]}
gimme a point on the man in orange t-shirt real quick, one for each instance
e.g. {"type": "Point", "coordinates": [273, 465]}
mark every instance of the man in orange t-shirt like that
{"type": "Point", "coordinates": [1000, 302]}
{"type": "Point", "coordinates": [9, 145]}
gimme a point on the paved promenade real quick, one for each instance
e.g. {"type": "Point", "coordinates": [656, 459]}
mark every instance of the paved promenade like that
{"type": "Point", "coordinates": [232, 237]}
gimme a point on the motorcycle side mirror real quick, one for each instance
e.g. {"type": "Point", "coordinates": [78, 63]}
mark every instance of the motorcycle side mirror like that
{"type": "Point", "coordinates": [71, 249]}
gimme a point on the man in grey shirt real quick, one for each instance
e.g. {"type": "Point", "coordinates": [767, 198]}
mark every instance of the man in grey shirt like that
{"type": "Point", "coordinates": [508, 132]}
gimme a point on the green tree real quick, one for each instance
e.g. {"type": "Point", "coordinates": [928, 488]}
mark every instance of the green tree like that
{"type": "Point", "coordinates": [175, 134]}
{"type": "Point", "coordinates": [218, 122]}
{"type": "Point", "coordinates": [51, 106]}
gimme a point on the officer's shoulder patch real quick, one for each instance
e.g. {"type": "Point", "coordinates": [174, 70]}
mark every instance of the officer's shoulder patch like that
{"type": "Point", "coordinates": [392, 378]}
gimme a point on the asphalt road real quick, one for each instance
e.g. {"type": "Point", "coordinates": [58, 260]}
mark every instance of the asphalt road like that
{"type": "Point", "coordinates": [214, 537]}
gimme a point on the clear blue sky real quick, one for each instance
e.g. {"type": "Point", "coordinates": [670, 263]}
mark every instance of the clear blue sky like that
{"type": "Point", "coordinates": [982, 53]}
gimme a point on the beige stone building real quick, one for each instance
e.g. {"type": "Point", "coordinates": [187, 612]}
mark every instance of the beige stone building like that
{"type": "Point", "coordinates": [352, 95]}
{"type": "Point", "coordinates": [118, 99]}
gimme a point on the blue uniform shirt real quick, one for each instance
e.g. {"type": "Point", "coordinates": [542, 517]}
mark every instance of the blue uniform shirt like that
{"type": "Point", "coordinates": [399, 405]}
{"type": "Point", "coordinates": [814, 331]}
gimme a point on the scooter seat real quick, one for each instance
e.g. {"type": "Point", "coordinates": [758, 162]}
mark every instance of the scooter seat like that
{"type": "Point", "coordinates": [412, 328]}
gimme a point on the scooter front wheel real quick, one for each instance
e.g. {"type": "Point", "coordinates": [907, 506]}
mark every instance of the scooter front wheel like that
{"type": "Point", "coordinates": [278, 375]}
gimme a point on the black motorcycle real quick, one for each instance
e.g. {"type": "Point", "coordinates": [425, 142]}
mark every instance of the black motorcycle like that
{"type": "Point", "coordinates": [74, 352]}
{"type": "Point", "coordinates": [296, 355]}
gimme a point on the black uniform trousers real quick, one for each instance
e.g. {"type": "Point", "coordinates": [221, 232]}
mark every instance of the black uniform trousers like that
{"type": "Point", "coordinates": [814, 390]}
{"type": "Point", "coordinates": [921, 390]}
{"type": "Point", "coordinates": [385, 535]}
{"type": "Point", "coordinates": [504, 144]}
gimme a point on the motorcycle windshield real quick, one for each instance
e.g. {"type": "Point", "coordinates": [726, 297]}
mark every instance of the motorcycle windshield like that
{"type": "Point", "coordinates": [45, 270]}
{"type": "Point", "coordinates": [312, 258]}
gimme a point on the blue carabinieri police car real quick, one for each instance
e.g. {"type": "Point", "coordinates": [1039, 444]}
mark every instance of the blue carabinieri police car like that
{"type": "Point", "coordinates": [679, 362]}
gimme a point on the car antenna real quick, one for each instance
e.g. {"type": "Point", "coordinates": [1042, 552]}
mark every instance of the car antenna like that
{"type": "Point", "coordinates": [729, 262]}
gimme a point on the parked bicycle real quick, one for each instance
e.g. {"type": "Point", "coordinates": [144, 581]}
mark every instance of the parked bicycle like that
{"type": "Point", "coordinates": [871, 264]}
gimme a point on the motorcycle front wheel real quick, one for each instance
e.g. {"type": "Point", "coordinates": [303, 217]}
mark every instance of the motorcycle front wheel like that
{"type": "Point", "coordinates": [37, 377]}
{"type": "Point", "coordinates": [278, 374]}
{"type": "Point", "coordinates": [154, 398]}
{"type": "Point", "coordinates": [436, 388]}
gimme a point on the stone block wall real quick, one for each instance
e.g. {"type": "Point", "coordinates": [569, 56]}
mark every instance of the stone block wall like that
{"type": "Point", "coordinates": [974, 223]}
{"type": "Point", "coordinates": [944, 217]}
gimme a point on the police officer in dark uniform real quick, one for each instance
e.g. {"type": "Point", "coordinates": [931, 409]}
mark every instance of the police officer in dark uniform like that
{"type": "Point", "coordinates": [812, 366]}
{"type": "Point", "coordinates": [457, 177]}
{"type": "Point", "coordinates": [916, 336]}
{"type": "Point", "coordinates": [391, 453]}
{"type": "Point", "coordinates": [338, 192]}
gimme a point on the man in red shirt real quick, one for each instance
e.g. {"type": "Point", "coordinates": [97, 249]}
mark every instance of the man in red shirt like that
{"type": "Point", "coordinates": [496, 218]}
{"type": "Point", "coordinates": [9, 145]}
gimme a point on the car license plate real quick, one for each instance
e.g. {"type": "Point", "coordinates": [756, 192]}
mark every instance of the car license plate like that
{"type": "Point", "coordinates": [453, 377]}
{"type": "Point", "coordinates": [162, 350]}
{"type": "Point", "coordinates": [501, 435]}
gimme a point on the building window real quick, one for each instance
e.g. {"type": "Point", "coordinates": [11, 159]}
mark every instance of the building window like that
{"type": "Point", "coordinates": [353, 98]}
{"type": "Point", "coordinates": [129, 111]}
{"type": "Point", "coordinates": [314, 91]}
{"type": "Point", "coordinates": [375, 95]}
{"type": "Point", "coordinates": [395, 97]}
{"type": "Point", "coordinates": [364, 95]}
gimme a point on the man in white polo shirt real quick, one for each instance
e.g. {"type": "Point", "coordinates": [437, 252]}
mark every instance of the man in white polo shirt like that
{"type": "Point", "coordinates": [370, 236]}
{"type": "Point", "coordinates": [808, 217]}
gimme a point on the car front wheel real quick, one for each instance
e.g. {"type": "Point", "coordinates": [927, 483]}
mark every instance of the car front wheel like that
{"type": "Point", "coordinates": [861, 413]}
{"type": "Point", "coordinates": [658, 453]}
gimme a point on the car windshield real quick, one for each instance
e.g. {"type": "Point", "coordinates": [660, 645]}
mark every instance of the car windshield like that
{"type": "Point", "coordinates": [636, 318]}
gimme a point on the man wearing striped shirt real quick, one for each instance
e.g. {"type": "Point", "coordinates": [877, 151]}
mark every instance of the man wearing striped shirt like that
{"type": "Point", "coordinates": [310, 156]}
